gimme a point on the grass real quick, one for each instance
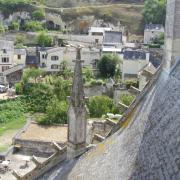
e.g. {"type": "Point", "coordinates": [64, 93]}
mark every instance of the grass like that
{"type": "Point", "coordinates": [12, 115]}
{"type": "Point", "coordinates": [12, 125]}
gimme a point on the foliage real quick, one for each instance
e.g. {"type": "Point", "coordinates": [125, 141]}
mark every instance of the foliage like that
{"type": "Point", "coordinates": [20, 40]}
{"type": "Point", "coordinates": [61, 88]}
{"type": "Point", "coordinates": [88, 74]}
{"type": "Point", "coordinates": [130, 83]}
{"type": "Point", "coordinates": [107, 65]}
{"type": "Point", "coordinates": [37, 96]}
{"type": "Point", "coordinates": [38, 15]}
{"type": "Point", "coordinates": [33, 26]}
{"type": "Point", "coordinates": [19, 88]}
{"type": "Point", "coordinates": [64, 70]}
{"type": "Point", "coordinates": [9, 6]}
{"type": "Point", "coordinates": [32, 73]}
{"type": "Point", "coordinates": [2, 29]}
{"type": "Point", "coordinates": [154, 11]}
{"type": "Point", "coordinates": [14, 26]}
{"type": "Point", "coordinates": [11, 111]}
{"type": "Point", "coordinates": [44, 40]}
{"type": "Point", "coordinates": [159, 40]}
{"type": "Point", "coordinates": [127, 99]}
{"type": "Point", "coordinates": [56, 112]}
{"type": "Point", "coordinates": [100, 105]}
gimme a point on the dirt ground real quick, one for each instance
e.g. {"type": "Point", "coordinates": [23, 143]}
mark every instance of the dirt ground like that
{"type": "Point", "coordinates": [45, 133]}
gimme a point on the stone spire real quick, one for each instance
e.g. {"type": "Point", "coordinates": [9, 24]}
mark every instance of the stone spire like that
{"type": "Point", "coordinates": [77, 112]}
{"type": "Point", "coordinates": [172, 34]}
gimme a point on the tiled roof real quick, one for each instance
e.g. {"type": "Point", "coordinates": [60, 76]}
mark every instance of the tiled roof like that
{"type": "Point", "coordinates": [134, 54]}
{"type": "Point", "coordinates": [154, 27]}
{"type": "Point", "coordinates": [8, 45]}
{"type": "Point", "coordinates": [112, 37]}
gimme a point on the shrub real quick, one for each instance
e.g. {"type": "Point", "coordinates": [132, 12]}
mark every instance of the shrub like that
{"type": "Point", "coordinates": [14, 26]}
{"type": "Point", "coordinates": [100, 105]}
{"type": "Point", "coordinates": [38, 15]}
{"type": "Point", "coordinates": [127, 99]}
{"type": "Point", "coordinates": [11, 111]}
{"type": "Point", "coordinates": [56, 112]}
{"type": "Point", "coordinates": [130, 83]}
{"type": "Point", "coordinates": [19, 88]}
{"type": "Point", "coordinates": [33, 26]}
{"type": "Point", "coordinates": [44, 40]}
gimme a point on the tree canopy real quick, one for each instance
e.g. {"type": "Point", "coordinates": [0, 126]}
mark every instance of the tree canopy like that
{"type": "Point", "coordinates": [44, 39]}
{"type": "Point", "coordinates": [155, 11]}
{"type": "Point", "coordinates": [107, 65]}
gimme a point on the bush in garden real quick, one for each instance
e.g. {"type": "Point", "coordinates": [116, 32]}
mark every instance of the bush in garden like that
{"type": "Point", "coordinates": [127, 99]}
{"type": "Point", "coordinates": [100, 105]}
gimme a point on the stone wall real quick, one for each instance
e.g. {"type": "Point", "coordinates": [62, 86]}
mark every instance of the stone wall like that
{"type": "Point", "coordinates": [33, 147]}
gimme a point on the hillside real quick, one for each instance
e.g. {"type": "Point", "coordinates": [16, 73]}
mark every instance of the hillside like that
{"type": "Point", "coordinates": [73, 3]}
{"type": "Point", "coordinates": [128, 14]}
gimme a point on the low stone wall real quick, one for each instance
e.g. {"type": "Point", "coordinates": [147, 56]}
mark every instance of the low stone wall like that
{"type": "Point", "coordinates": [42, 167]}
{"type": "Point", "coordinates": [37, 148]}
{"type": "Point", "coordinates": [137, 100]}
{"type": "Point", "coordinates": [93, 90]}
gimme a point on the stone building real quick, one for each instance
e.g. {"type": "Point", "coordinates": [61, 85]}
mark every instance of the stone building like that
{"type": "Point", "coordinates": [152, 31]}
{"type": "Point", "coordinates": [133, 62]}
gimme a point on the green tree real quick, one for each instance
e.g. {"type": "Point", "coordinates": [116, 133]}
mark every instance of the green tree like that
{"type": "Point", "coordinates": [56, 112]}
{"type": "Point", "coordinates": [61, 88]}
{"type": "Point", "coordinates": [38, 15]}
{"type": "Point", "coordinates": [32, 73]}
{"type": "Point", "coordinates": [44, 40]}
{"type": "Point", "coordinates": [155, 11]}
{"type": "Point", "coordinates": [101, 105]}
{"type": "Point", "coordinates": [107, 65]}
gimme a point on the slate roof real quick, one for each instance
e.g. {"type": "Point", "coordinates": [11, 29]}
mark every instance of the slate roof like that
{"type": "Point", "coordinates": [146, 148]}
{"type": "Point", "coordinates": [20, 51]}
{"type": "Point", "coordinates": [134, 54]}
{"type": "Point", "coordinates": [112, 37]}
{"type": "Point", "coordinates": [154, 27]}
{"type": "Point", "coordinates": [8, 45]}
{"type": "Point", "coordinates": [32, 60]}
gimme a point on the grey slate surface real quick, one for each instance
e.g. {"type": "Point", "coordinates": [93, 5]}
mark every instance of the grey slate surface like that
{"type": "Point", "coordinates": [149, 148]}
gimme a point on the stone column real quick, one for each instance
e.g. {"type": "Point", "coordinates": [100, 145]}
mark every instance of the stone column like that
{"type": "Point", "coordinates": [172, 34]}
{"type": "Point", "coordinates": [77, 113]}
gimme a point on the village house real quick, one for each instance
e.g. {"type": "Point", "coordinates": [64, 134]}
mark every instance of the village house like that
{"type": "Point", "coordinates": [152, 31]}
{"type": "Point", "coordinates": [133, 62]}
{"type": "Point", "coordinates": [51, 58]}
{"type": "Point", "coordinates": [112, 42]}
{"type": "Point", "coordinates": [10, 57]}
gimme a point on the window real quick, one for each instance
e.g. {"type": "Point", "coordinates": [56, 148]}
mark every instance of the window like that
{"type": "Point", "coordinates": [4, 68]}
{"type": "Point", "coordinates": [54, 58]}
{"type": "Point", "coordinates": [19, 56]}
{"type": "Point", "coordinates": [4, 51]}
{"type": "Point", "coordinates": [5, 59]}
{"type": "Point", "coordinates": [54, 66]}
{"type": "Point", "coordinates": [44, 56]}
{"type": "Point", "coordinates": [43, 65]}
